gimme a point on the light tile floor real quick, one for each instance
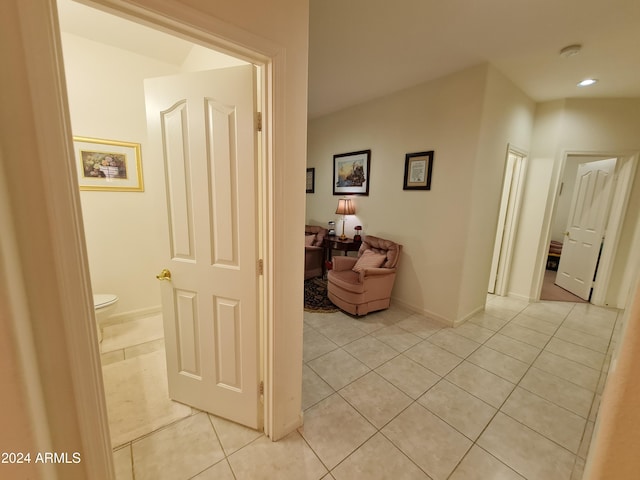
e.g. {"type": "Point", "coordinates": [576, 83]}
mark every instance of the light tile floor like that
{"type": "Point", "coordinates": [511, 394]}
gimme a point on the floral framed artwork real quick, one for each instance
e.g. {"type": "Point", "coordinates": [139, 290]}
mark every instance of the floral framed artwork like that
{"type": "Point", "coordinates": [417, 171]}
{"type": "Point", "coordinates": [351, 173]}
{"type": "Point", "coordinates": [311, 180]}
{"type": "Point", "coordinates": [108, 165]}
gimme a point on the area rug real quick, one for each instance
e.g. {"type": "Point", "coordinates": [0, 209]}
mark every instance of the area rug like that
{"type": "Point", "coordinates": [315, 296]}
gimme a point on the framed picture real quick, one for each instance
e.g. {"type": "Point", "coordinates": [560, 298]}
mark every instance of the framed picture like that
{"type": "Point", "coordinates": [105, 165]}
{"type": "Point", "coordinates": [417, 171]}
{"type": "Point", "coordinates": [311, 180]}
{"type": "Point", "coordinates": [351, 173]}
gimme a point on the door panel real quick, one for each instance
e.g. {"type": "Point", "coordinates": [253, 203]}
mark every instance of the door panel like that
{"type": "Point", "coordinates": [205, 125]}
{"type": "Point", "coordinates": [585, 230]}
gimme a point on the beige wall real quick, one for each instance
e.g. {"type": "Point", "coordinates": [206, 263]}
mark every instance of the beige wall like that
{"type": "Point", "coordinates": [468, 118]}
{"type": "Point", "coordinates": [122, 229]}
{"type": "Point", "coordinates": [615, 445]}
{"type": "Point", "coordinates": [599, 126]}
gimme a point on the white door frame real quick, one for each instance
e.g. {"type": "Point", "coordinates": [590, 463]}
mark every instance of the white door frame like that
{"type": "Point", "coordinates": [623, 181]}
{"type": "Point", "coordinates": [508, 220]}
{"type": "Point", "coordinates": [71, 326]}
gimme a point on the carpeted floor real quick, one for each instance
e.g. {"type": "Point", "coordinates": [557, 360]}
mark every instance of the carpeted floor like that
{"type": "Point", "coordinates": [315, 296]}
{"type": "Point", "coordinates": [552, 292]}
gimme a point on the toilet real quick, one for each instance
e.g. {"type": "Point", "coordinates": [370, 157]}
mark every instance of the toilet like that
{"type": "Point", "coordinates": [104, 304]}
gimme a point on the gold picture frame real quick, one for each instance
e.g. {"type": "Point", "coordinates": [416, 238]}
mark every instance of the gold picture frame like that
{"type": "Point", "coordinates": [108, 165]}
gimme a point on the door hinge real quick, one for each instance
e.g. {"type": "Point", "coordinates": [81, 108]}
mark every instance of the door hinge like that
{"type": "Point", "coordinates": [259, 121]}
{"type": "Point", "coordinates": [260, 267]}
{"type": "Point", "coordinates": [261, 388]}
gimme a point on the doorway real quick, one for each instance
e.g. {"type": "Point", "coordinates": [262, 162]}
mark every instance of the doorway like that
{"type": "Point", "coordinates": [625, 166]}
{"type": "Point", "coordinates": [508, 217]}
{"type": "Point", "coordinates": [123, 216]}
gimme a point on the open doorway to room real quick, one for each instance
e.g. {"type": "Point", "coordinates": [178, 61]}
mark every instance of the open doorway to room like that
{"type": "Point", "coordinates": [592, 194]}
{"type": "Point", "coordinates": [582, 210]}
{"type": "Point", "coordinates": [105, 77]}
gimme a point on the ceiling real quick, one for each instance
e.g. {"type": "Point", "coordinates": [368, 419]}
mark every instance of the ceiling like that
{"type": "Point", "coordinates": [363, 49]}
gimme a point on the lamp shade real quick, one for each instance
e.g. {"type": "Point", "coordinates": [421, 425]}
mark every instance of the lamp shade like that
{"type": "Point", "coordinates": [345, 207]}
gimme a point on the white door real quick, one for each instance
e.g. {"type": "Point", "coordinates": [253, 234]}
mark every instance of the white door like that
{"type": "Point", "coordinates": [585, 228]}
{"type": "Point", "coordinates": [507, 222]}
{"type": "Point", "coordinates": [203, 127]}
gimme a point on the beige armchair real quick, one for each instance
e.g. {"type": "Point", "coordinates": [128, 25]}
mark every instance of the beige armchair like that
{"type": "Point", "coordinates": [363, 284]}
{"type": "Point", "coordinates": [314, 251]}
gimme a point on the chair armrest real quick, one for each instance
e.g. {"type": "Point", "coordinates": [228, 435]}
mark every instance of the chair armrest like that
{"type": "Point", "coordinates": [368, 272]}
{"type": "Point", "coordinates": [343, 263]}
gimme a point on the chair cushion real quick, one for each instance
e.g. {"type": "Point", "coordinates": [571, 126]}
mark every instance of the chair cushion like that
{"type": "Point", "coordinates": [347, 280]}
{"type": "Point", "coordinates": [369, 259]}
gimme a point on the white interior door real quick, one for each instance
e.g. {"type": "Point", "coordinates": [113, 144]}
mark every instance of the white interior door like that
{"type": "Point", "coordinates": [203, 125]}
{"type": "Point", "coordinates": [507, 221]}
{"type": "Point", "coordinates": [585, 229]}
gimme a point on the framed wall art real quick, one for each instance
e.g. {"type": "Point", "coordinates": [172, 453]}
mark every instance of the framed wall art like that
{"type": "Point", "coordinates": [417, 170]}
{"type": "Point", "coordinates": [311, 180]}
{"type": "Point", "coordinates": [351, 173]}
{"type": "Point", "coordinates": [108, 165]}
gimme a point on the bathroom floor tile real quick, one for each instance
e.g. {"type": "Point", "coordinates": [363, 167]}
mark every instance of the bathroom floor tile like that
{"type": "Point", "coordinates": [137, 397]}
{"type": "Point", "coordinates": [132, 332]}
{"type": "Point", "coordinates": [122, 463]}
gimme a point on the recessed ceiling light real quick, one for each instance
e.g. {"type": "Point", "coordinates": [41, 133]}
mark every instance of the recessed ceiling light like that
{"type": "Point", "coordinates": [587, 81]}
{"type": "Point", "coordinates": [570, 51]}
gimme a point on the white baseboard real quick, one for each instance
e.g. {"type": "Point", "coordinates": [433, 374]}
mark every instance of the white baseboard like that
{"type": "Point", "coordinates": [131, 315]}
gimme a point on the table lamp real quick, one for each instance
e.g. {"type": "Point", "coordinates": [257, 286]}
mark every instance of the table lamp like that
{"type": "Point", "coordinates": [345, 207]}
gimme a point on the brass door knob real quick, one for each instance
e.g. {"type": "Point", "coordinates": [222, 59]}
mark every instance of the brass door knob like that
{"type": "Point", "coordinates": [566, 234]}
{"type": "Point", "coordinates": [164, 275]}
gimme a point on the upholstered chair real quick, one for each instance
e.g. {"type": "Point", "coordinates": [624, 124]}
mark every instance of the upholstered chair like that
{"type": "Point", "coordinates": [313, 251]}
{"type": "Point", "coordinates": [363, 284]}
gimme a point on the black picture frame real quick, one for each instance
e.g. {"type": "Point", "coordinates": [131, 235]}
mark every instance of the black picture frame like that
{"type": "Point", "coordinates": [311, 180]}
{"type": "Point", "coordinates": [418, 168]}
{"type": "Point", "coordinates": [351, 173]}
